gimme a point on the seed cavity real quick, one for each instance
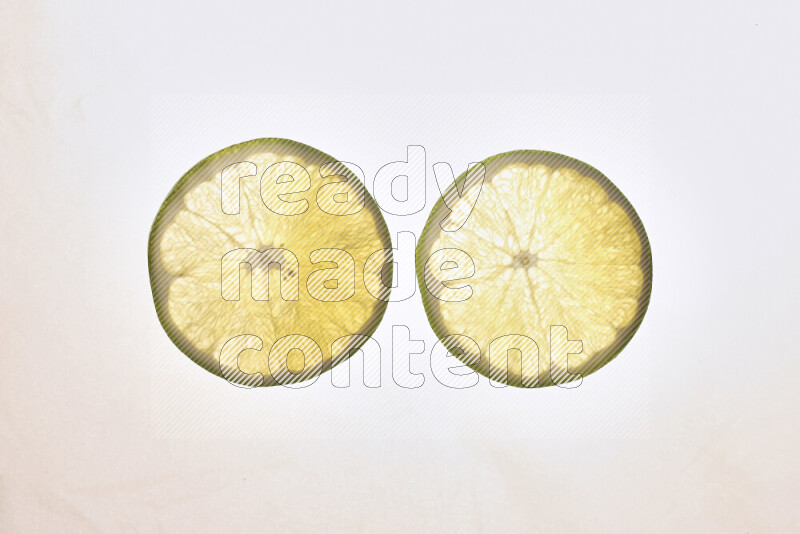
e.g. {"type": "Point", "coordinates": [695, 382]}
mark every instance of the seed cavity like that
{"type": "Point", "coordinates": [525, 260]}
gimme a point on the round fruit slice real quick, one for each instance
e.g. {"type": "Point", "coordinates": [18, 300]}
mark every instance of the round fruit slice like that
{"type": "Point", "coordinates": [545, 279]}
{"type": "Point", "coordinates": [259, 263]}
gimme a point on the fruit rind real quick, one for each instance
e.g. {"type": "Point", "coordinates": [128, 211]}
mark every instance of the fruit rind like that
{"type": "Point", "coordinates": [554, 160]}
{"type": "Point", "coordinates": [173, 203]}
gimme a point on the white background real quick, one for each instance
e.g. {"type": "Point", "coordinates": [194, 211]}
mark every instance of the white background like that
{"type": "Point", "coordinates": [690, 110]}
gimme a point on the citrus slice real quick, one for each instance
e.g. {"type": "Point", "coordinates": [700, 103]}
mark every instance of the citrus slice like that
{"type": "Point", "coordinates": [546, 280]}
{"type": "Point", "coordinates": [257, 263]}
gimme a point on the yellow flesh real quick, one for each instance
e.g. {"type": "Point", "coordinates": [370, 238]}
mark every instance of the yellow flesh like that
{"type": "Point", "coordinates": [550, 248]}
{"type": "Point", "coordinates": [196, 239]}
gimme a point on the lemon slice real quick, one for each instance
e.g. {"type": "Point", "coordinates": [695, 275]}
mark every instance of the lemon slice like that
{"type": "Point", "coordinates": [546, 280]}
{"type": "Point", "coordinates": [257, 263]}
